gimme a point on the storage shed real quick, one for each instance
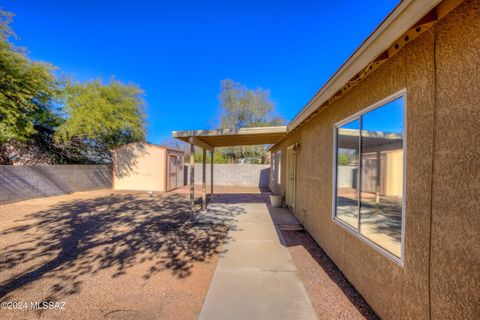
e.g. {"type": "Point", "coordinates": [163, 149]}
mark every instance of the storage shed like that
{"type": "Point", "coordinates": [147, 167]}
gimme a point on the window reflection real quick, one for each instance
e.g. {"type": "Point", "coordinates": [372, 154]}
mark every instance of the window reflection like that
{"type": "Point", "coordinates": [369, 174]}
{"type": "Point", "coordinates": [382, 176]}
{"type": "Point", "coordinates": [347, 172]}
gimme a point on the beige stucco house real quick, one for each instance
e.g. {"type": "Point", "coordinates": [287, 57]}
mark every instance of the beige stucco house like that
{"type": "Point", "coordinates": [382, 165]}
{"type": "Point", "coordinates": [147, 167]}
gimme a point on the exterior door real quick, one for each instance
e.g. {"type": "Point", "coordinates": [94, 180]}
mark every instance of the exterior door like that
{"type": "Point", "coordinates": [291, 179]}
{"type": "Point", "coordinates": [172, 171]}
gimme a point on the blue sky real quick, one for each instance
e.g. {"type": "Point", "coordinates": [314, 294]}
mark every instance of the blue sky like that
{"type": "Point", "coordinates": [178, 51]}
{"type": "Point", "coordinates": [387, 118]}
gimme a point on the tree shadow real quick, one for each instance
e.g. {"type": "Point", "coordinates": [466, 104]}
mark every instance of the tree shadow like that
{"type": "Point", "coordinates": [125, 158]}
{"type": "Point", "coordinates": [383, 218]}
{"type": "Point", "coordinates": [83, 237]}
{"type": "Point", "coordinates": [239, 198]}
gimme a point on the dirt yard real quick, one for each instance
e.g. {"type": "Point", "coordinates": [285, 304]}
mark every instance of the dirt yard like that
{"type": "Point", "coordinates": [105, 256]}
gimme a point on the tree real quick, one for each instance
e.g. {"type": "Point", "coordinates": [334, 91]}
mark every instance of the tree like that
{"type": "Point", "coordinates": [343, 159]}
{"type": "Point", "coordinates": [29, 90]}
{"type": "Point", "coordinates": [43, 120]}
{"type": "Point", "coordinates": [241, 107]}
{"type": "Point", "coordinates": [102, 116]}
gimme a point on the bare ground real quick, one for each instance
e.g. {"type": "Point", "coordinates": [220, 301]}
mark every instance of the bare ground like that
{"type": "Point", "coordinates": [331, 294]}
{"type": "Point", "coordinates": [107, 256]}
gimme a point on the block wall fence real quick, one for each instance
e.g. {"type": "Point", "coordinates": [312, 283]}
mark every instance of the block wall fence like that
{"type": "Point", "coordinates": [27, 182]}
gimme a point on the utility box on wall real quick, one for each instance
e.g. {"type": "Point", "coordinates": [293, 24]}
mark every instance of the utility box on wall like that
{"type": "Point", "coordinates": [147, 167]}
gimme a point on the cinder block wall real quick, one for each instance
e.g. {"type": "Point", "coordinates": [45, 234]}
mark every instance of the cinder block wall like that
{"type": "Point", "coordinates": [238, 175]}
{"type": "Point", "coordinates": [26, 182]}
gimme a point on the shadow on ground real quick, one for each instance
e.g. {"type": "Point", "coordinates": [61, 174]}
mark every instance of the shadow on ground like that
{"type": "Point", "coordinates": [83, 237]}
{"type": "Point", "coordinates": [241, 198]}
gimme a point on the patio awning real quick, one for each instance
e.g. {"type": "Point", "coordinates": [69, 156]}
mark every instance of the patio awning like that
{"type": "Point", "coordinates": [210, 139]}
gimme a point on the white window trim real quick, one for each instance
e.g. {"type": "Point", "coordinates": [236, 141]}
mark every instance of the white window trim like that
{"type": "Point", "coordinates": [276, 169]}
{"type": "Point", "coordinates": [279, 167]}
{"type": "Point", "coordinates": [356, 232]}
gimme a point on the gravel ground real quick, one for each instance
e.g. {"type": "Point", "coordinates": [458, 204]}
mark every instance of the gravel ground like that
{"type": "Point", "coordinates": [107, 256]}
{"type": "Point", "coordinates": [332, 295]}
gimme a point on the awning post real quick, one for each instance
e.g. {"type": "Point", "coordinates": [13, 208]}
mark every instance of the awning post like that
{"type": "Point", "coordinates": [192, 179]}
{"type": "Point", "coordinates": [204, 179]}
{"type": "Point", "coordinates": [211, 175]}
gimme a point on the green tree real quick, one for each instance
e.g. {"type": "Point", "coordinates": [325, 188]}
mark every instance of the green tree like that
{"type": "Point", "coordinates": [43, 120]}
{"type": "Point", "coordinates": [343, 159]}
{"type": "Point", "coordinates": [102, 116]}
{"type": "Point", "coordinates": [28, 90]}
{"type": "Point", "coordinates": [242, 107]}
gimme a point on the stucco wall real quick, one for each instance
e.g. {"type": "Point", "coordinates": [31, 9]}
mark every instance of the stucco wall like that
{"type": "Point", "coordinates": [440, 274]}
{"type": "Point", "coordinates": [139, 167]}
{"type": "Point", "coordinates": [455, 252]}
{"type": "Point", "coordinates": [27, 182]}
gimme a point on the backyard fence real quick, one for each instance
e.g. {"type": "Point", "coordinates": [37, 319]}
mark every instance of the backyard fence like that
{"type": "Point", "coordinates": [27, 182]}
{"type": "Point", "coordinates": [237, 175]}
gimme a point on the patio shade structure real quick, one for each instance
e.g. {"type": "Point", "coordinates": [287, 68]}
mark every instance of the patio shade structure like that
{"type": "Point", "coordinates": [211, 139]}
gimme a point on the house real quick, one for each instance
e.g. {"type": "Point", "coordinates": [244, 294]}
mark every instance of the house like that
{"type": "Point", "coordinates": [382, 165]}
{"type": "Point", "coordinates": [147, 167]}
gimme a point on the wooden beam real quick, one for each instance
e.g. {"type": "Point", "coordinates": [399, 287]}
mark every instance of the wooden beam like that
{"type": "Point", "coordinates": [192, 179]}
{"type": "Point", "coordinates": [200, 143]}
{"type": "Point", "coordinates": [226, 132]}
{"type": "Point", "coordinates": [204, 179]}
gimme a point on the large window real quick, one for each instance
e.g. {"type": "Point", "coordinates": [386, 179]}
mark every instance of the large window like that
{"type": "Point", "coordinates": [369, 176]}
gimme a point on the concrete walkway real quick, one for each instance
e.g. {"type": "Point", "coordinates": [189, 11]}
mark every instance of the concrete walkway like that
{"type": "Point", "coordinates": [255, 277]}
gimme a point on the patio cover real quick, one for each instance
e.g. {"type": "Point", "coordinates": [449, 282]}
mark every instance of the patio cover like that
{"type": "Point", "coordinates": [210, 139]}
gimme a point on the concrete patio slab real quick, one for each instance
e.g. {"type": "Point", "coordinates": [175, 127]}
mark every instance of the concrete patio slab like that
{"type": "Point", "coordinates": [252, 295]}
{"type": "Point", "coordinates": [255, 277]}
{"type": "Point", "coordinates": [267, 256]}
{"type": "Point", "coordinates": [254, 217]}
{"type": "Point", "coordinates": [282, 216]}
{"type": "Point", "coordinates": [254, 231]}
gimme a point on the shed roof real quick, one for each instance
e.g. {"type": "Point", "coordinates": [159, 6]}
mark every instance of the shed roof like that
{"type": "Point", "coordinates": [147, 144]}
{"type": "Point", "coordinates": [231, 137]}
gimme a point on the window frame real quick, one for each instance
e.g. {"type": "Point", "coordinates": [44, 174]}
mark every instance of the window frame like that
{"type": "Point", "coordinates": [273, 166]}
{"type": "Point", "coordinates": [278, 176]}
{"type": "Point", "coordinates": [276, 167]}
{"type": "Point", "coordinates": [356, 232]}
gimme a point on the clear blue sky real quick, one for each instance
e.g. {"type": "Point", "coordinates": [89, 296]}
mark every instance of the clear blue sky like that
{"type": "Point", "coordinates": [178, 51]}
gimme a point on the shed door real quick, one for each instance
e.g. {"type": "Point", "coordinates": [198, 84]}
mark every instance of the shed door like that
{"type": "Point", "coordinates": [172, 171]}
